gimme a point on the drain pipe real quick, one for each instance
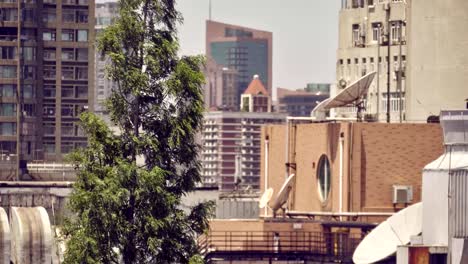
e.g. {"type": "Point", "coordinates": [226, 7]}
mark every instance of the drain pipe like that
{"type": "Point", "coordinates": [266, 169]}
{"type": "Point", "coordinates": [340, 208]}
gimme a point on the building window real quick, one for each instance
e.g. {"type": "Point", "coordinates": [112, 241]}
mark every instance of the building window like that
{"type": "Point", "coordinates": [28, 15]}
{"type": "Point", "coordinates": [29, 53]}
{"type": "Point", "coordinates": [49, 54]}
{"type": "Point", "coordinates": [324, 177]}
{"type": "Point", "coordinates": [49, 91]}
{"type": "Point", "coordinates": [49, 147]}
{"type": "Point", "coordinates": [68, 55]}
{"type": "Point", "coordinates": [29, 110]}
{"type": "Point", "coordinates": [49, 129]}
{"type": "Point", "coordinates": [67, 92]}
{"type": "Point", "coordinates": [29, 72]}
{"type": "Point", "coordinates": [395, 30]}
{"type": "Point", "coordinates": [81, 73]}
{"type": "Point", "coordinates": [81, 91]}
{"type": "Point", "coordinates": [49, 110]}
{"type": "Point", "coordinates": [49, 16]}
{"type": "Point", "coordinates": [8, 53]}
{"type": "Point", "coordinates": [395, 103]}
{"type": "Point", "coordinates": [7, 90]}
{"type": "Point", "coordinates": [66, 147]}
{"type": "Point", "coordinates": [82, 54]}
{"type": "Point", "coordinates": [48, 36]}
{"type": "Point", "coordinates": [28, 91]}
{"type": "Point", "coordinates": [82, 35]}
{"type": "Point", "coordinates": [82, 16]}
{"type": "Point", "coordinates": [67, 73]}
{"type": "Point", "coordinates": [68, 35]}
{"type": "Point", "coordinates": [7, 71]}
{"type": "Point", "coordinates": [68, 16]}
{"type": "Point", "coordinates": [9, 14]}
{"type": "Point", "coordinates": [7, 129]}
{"type": "Point", "coordinates": [7, 109]}
{"type": "Point", "coordinates": [49, 72]}
{"type": "Point", "coordinates": [376, 32]}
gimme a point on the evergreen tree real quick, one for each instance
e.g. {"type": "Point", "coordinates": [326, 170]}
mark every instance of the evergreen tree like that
{"type": "Point", "coordinates": [129, 210]}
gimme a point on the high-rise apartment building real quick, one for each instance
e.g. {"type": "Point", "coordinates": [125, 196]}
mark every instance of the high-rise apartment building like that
{"type": "Point", "coordinates": [245, 50]}
{"type": "Point", "coordinates": [231, 141]}
{"type": "Point", "coordinates": [105, 14]}
{"type": "Point", "coordinates": [231, 148]}
{"type": "Point", "coordinates": [46, 76]}
{"type": "Point", "coordinates": [372, 35]}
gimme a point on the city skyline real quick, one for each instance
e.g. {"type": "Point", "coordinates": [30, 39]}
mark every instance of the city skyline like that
{"type": "Point", "coordinates": [298, 58]}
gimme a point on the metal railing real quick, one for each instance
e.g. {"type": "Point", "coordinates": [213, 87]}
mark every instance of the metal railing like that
{"type": "Point", "coordinates": [334, 245]}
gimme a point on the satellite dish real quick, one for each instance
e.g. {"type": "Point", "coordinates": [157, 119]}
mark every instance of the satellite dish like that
{"type": "Point", "coordinates": [265, 199]}
{"type": "Point", "coordinates": [283, 194]}
{"type": "Point", "coordinates": [383, 241]}
{"type": "Point", "coordinates": [351, 96]}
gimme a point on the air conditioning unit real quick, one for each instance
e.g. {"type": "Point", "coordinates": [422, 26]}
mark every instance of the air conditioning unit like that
{"type": "Point", "coordinates": [402, 194]}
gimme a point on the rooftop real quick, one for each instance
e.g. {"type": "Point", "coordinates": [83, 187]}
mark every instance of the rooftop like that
{"type": "Point", "coordinates": [256, 87]}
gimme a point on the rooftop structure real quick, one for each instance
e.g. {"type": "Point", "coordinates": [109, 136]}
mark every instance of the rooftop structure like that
{"type": "Point", "coordinates": [255, 98]}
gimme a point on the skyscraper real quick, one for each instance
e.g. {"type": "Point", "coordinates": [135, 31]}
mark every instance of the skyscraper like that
{"type": "Point", "coordinates": [46, 76]}
{"type": "Point", "coordinates": [246, 50]}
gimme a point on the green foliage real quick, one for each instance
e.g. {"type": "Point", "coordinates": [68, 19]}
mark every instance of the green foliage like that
{"type": "Point", "coordinates": [127, 211]}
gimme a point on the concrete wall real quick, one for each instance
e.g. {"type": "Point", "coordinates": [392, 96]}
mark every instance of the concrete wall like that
{"type": "Point", "coordinates": [437, 57]}
{"type": "Point", "coordinates": [376, 156]}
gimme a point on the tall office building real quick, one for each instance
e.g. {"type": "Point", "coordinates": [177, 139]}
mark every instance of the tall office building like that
{"type": "Point", "coordinates": [105, 14]}
{"type": "Point", "coordinates": [46, 76]}
{"type": "Point", "coordinates": [372, 35]}
{"type": "Point", "coordinates": [247, 51]}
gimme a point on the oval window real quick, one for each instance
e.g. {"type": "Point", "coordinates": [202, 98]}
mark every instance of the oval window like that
{"type": "Point", "coordinates": [323, 177]}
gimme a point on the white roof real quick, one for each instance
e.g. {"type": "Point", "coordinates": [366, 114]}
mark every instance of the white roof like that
{"type": "Point", "coordinates": [352, 93]}
{"type": "Point", "coordinates": [457, 160]}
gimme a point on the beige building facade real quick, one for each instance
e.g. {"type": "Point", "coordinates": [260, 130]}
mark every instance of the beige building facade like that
{"type": "Point", "coordinates": [372, 35]}
{"type": "Point", "coordinates": [437, 57]}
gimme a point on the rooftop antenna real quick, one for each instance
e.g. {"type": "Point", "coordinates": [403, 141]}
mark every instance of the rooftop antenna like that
{"type": "Point", "coordinates": [210, 10]}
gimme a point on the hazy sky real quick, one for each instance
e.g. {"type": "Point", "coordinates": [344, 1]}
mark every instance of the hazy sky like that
{"type": "Point", "coordinates": [305, 33]}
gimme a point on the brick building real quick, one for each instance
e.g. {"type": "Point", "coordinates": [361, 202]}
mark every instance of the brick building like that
{"type": "Point", "coordinates": [368, 157]}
